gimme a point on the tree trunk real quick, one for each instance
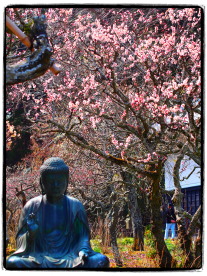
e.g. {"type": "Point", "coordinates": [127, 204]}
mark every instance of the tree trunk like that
{"type": "Point", "coordinates": [185, 240]}
{"type": "Point", "coordinates": [135, 213]}
{"type": "Point", "coordinates": [115, 248]}
{"type": "Point", "coordinates": [166, 260]}
{"type": "Point", "coordinates": [105, 233]}
{"type": "Point", "coordinates": [198, 252]}
{"type": "Point", "coordinates": [137, 227]}
{"type": "Point", "coordinates": [37, 63]}
{"type": "Point", "coordinates": [183, 236]}
{"type": "Point", "coordinates": [195, 223]}
{"type": "Point", "coordinates": [113, 219]}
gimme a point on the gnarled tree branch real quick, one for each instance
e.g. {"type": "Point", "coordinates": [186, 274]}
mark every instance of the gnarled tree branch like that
{"type": "Point", "coordinates": [37, 63]}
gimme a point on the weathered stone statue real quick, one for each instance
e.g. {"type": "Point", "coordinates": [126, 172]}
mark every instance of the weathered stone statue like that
{"type": "Point", "coordinates": [53, 228]}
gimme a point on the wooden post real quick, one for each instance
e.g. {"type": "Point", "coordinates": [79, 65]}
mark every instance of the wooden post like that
{"type": "Point", "coordinates": [26, 41]}
{"type": "Point", "coordinates": [13, 27]}
{"type": "Point", "coordinates": [55, 69]}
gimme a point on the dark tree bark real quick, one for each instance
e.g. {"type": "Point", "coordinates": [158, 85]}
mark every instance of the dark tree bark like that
{"type": "Point", "coordinates": [177, 200]}
{"type": "Point", "coordinates": [136, 217]}
{"type": "Point", "coordinates": [105, 233]}
{"type": "Point", "coordinates": [184, 234]}
{"type": "Point", "coordinates": [37, 63]}
{"type": "Point", "coordinates": [165, 258]}
{"type": "Point", "coordinates": [135, 213]}
{"type": "Point", "coordinates": [198, 252]}
{"type": "Point", "coordinates": [113, 220]}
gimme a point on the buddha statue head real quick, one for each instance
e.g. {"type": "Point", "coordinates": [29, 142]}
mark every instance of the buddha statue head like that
{"type": "Point", "coordinates": [54, 172]}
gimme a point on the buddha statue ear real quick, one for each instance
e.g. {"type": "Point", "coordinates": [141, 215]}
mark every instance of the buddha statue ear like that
{"type": "Point", "coordinates": [41, 186]}
{"type": "Point", "coordinates": [65, 193]}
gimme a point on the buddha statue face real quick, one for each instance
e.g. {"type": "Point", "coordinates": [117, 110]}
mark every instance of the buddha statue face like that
{"type": "Point", "coordinates": [54, 184]}
{"type": "Point", "coordinates": [54, 177]}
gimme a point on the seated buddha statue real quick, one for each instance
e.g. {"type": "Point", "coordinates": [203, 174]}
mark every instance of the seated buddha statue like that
{"type": "Point", "coordinates": [53, 229]}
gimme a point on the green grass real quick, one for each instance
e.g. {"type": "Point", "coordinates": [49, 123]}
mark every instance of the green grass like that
{"type": "Point", "coordinates": [96, 245]}
{"type": "Point", "coordinates": [125, 241]}
{"type": "Point", "coordinates": [145, 259]}
{"type": "Point", "coordinates": [123, 244]}
{"type": "Point", "coordinates": [171, 245]}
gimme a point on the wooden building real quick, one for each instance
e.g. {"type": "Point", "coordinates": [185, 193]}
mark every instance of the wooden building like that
{"type": "Point", "coordinates": [191, 199]}
{"type": "Point", "coordinates": [190, 180]}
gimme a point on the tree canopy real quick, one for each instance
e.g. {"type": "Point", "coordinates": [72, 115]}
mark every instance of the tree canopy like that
{"type": "Point", "coordinates": [129, 91]}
